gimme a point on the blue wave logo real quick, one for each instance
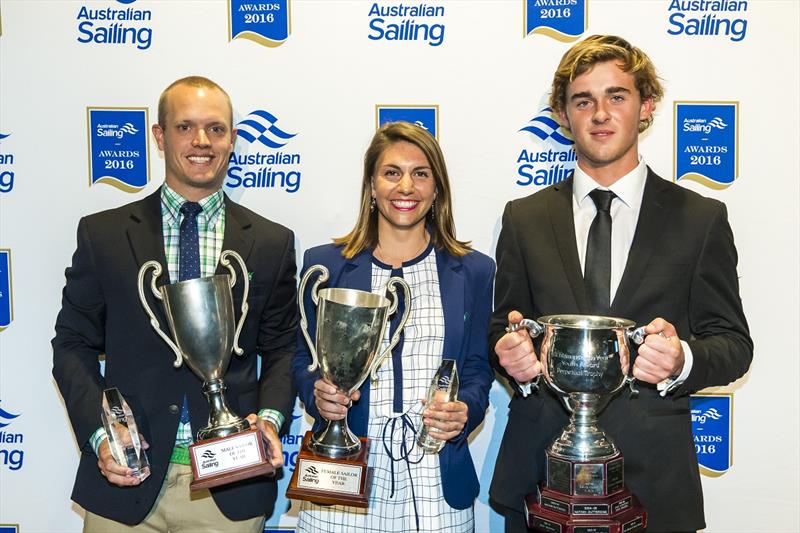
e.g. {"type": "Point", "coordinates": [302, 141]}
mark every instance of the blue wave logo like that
{"type": "Point", "coordinates": [126, 1]}
{"type": "Point", "coordinates": [718, 123]}
{"type": "Point", "coordinates": [4, 135]}
{"type": "Point", "coordinates": [544, 126]}
{"type": "Point", "coordinates": [260, 126]}
{"type": "Point", "coordinates": [129, 128]}
{"type": "Point", "coordinates": [6, 418]}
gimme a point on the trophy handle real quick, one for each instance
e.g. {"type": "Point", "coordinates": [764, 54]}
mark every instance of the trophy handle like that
{"type": "Point", "coordinates": [534, 330]}
{"type": "Point", "coordinates": [637, 337]}
{"type": "Point", "coordinates": [156, 266]}
{"type": "Point", "coordinates": [323, 277]}
{"type": "Point", "coordinates": [223, 259]}
{"type": "Point", "coordinates": [390, 286]}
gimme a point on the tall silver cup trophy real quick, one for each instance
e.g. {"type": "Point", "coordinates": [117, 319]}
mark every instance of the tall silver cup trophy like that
{"type": "Point", "coordinates": [331, 467]}
{"type": "Point", "coordinates": [586, 360]}
{"type": "Point", "coordinates": [201, 316]}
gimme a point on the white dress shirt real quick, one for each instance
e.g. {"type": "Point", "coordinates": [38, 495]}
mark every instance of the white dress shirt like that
{"type": "Point", "coordinates": [625, 210]}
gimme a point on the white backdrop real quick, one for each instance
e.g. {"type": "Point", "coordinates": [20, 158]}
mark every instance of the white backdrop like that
{"type": "Point", "coordinates": [322, 84]}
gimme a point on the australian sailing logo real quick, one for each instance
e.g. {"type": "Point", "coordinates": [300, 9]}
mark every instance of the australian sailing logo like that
{"type": "Point", "coordinates": [707, 142]}
{"type": "Point", "coordinates": [564, 20]}
{"type": "Point", "coordinates": [424, 116]}
{"type": "Point", "coordinates": [547, 156]}
{"type": "Point", "coordinates": [118, 149]}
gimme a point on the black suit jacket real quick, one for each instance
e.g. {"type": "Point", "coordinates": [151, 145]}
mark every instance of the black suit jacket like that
{"type": "Point", "coordinates": [682, 267]}
{"type": "Point", "coordinates": [101, 314]}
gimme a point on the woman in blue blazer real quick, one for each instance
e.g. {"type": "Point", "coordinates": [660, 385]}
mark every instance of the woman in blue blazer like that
{"type": "Point", "coordinates": [405, 228]}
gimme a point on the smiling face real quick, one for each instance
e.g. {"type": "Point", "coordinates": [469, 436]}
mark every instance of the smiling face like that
{"type": "Point", "coordinates": [603, 110]}
{"type": "Point", "coordinates": [197, 139]}
{"type": "Point", "coordinates": [404, 188]}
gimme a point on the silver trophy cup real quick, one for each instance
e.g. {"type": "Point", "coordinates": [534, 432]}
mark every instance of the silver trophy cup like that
{"type": "Point", "coordinates": [586, 361]}
{"type": "Point", "coordinates": [350, 328]}
{"type": "Point", "coordinates": [201, 317]}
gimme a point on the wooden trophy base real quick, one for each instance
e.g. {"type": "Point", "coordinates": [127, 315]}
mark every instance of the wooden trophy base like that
{"type": "Point", "coordinates": [343, 481]}
{"type": "Point", "coordinates": [228, 459]}
{"type": "Point", "coordinates": [584, 497]}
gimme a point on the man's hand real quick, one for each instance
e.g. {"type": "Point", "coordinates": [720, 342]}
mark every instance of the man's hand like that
{"type": "Point", "coordinates": [445, 420]}
{"type": "Point", "coordinates": [270, 434]}
{"type": "Point", "coordinates": [661, 355]}
{"type": "Point", "coordinates": [115, 473]}
{"type": "Point", "coordinates": [516, 354]}
{"type": "Point", "coordinates": [332, 403]}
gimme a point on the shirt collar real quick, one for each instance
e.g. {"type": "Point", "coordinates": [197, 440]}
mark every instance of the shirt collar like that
{"type": "Point", "coordinates": [171, 203]}
{"type": "Point", "coordinates": [629, 188]}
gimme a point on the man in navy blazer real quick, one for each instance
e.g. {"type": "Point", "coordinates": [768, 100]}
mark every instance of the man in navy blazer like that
{"type": "Point", "coordinates": [466, 287]}
{"type": "Point", "coordinates": [672, 268]}
{"type": "Point", "coordinates": [102, 318]}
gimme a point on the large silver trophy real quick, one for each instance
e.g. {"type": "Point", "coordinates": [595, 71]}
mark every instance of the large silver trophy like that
{"type": "Point", "coordinates": [201, 317]}
{"type": "Point", "coordinates": [332, 464]}
{"type": "Point", "coordinates": [586, 360]}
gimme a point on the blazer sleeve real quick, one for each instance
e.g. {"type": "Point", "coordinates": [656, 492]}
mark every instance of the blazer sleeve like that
{"type": "Point", "coordinates": [720, 339]}
{"type": "Point", "coordinates": [476, 374]}
{"type": "Point", "coordinates": [511, 289]}
{"type": "Point", "coordinates": [276, 336]}
{"type": "Point", "coordinates": [80, 340]}
{"type": "Point", "coordinates": [302, 378]}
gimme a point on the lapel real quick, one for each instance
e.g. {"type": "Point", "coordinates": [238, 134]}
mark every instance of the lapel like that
{"type": "Point", "coordinates": [559, 207]}
{"type": "Point", "coordinates": [649, 227]}
{"type": "Point", "coordinates": [237, 237]}
{"type": "Point", "coordinates": [451, 289]}
{"type": "Point", "coordinates": [145, 234]}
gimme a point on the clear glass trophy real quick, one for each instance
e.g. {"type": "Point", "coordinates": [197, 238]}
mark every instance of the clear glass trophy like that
{"type": "Point", "coordinates": [123, 435]}
{"type": "Point", "coordinates": [444, 388]}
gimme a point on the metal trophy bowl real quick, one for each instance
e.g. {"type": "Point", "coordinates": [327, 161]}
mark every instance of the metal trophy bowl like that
{"type": "Point", "coordinates": [586, 360]}
{"type": "Point", "coordinates": [332, 465]}
{"type": "Point", "coordinates": [350, 329]}
{"type": "Point", "coordinates": [201, 317]}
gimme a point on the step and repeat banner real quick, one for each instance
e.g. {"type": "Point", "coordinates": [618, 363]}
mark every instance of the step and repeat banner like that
{"type": "Point", "coordinates": [310, 81]}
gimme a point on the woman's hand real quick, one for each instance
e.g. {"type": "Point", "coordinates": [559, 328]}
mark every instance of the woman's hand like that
{"type": "Point", "coordinates": [446, 420]}
{"type": "Point", "coordinates": [332, 403]}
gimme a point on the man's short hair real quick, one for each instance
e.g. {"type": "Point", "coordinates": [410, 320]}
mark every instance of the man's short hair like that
{"type": "Point", "coordinates": [191, 81]}
{"type": "Point", "coordinates": [583, 56]}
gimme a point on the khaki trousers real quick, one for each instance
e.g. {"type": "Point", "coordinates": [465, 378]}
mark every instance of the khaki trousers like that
{"type": "Point", "coordinates": [178, 510]}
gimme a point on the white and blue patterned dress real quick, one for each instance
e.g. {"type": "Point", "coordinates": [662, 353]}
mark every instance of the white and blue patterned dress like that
{"type": "Point", "coordinates": [407, 490]}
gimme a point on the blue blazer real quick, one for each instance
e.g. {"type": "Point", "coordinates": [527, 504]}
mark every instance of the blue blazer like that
{"type": "Point", "coordinates": [465, 284]}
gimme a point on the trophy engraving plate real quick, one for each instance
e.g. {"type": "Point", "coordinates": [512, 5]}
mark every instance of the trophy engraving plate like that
{"type": "Point", "coordinates": [590, 509]}
{"type": "Point", "coordinates": [558, 475]}
{"type": "Point", "coordinates": [554, 505]}
{"type": "Point", "coordinates": [633, 525]}
{"type": "Point", "coordinates": [591, 529]}
{"type": "Point", "coordinates": [223, 455]}
{"type": "Point", "coordinates": [621, 505]}
{"type": "Point", "coordinates": [320, 475]}
{"type": "Point", "coordinates": [589, 479]}
{"type": "Point", "coordinates": [548, 526]}
{"type": "Point", "coordinates": [615, 478]}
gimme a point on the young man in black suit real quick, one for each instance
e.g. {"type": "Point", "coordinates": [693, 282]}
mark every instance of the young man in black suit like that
{"type": "Point", "coordinates": [101, 315]}
{"type": "Point", "coordinates": [670, 263]}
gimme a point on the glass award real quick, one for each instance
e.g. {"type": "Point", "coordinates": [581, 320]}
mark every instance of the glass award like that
{"type": "Point", "coordinates": [123, 435]}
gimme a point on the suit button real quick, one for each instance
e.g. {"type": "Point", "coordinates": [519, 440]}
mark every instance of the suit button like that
{"type": "Point", "coordinates": [174, 409]}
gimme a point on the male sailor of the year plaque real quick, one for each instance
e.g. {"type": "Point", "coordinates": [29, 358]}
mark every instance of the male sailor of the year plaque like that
{"type": "Point", "coordinates": [585, 360]}
{"type": "Point", "coordinates": [332, 467]}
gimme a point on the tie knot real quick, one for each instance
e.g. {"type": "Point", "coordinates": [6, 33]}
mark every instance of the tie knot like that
{"type": "Point", "coordinates": [190, 209]}
{"type": "Point", "coordinates": [602, 199]}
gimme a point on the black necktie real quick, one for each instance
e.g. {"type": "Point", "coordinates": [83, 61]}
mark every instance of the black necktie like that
{"type": "Point", "coordinates": [189, 264]}
{"type": "Point", "coordinates": [597, 273]}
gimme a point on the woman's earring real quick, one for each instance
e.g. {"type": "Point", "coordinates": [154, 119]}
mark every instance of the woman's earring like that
{"type": "Point", "coordinates": [433, 210]}
{"type": "Point", "coordinates": [372, 205]}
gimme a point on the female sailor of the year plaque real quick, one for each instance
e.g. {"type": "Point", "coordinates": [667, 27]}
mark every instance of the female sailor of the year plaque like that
{"type": "Point", "coordinates": [585, 360]}
{"type": "Point", "coordinates": [332, 467]}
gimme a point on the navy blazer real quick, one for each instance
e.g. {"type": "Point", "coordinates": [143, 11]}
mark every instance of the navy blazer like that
{"type": "Point", "coordinates": [465, 285]}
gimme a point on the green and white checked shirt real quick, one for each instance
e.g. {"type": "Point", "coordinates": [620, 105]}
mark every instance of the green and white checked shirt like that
{"type": "Point", "coordinates": [211, 232]}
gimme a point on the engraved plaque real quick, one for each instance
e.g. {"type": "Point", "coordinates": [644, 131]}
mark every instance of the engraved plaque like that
{"type": "Point", "coordinates": [558, 475]}
{"type": "Point", "coordinates": [615, 480]}
{"type": "Point", "coordinates": [589, 479]}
